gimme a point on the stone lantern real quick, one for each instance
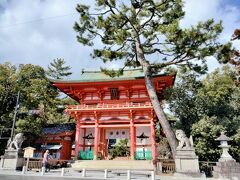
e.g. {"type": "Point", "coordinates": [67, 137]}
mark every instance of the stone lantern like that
{"type": "Point", "coordinates": [224, 145]}
{"type": "Point", "coordinates": [226, 167]}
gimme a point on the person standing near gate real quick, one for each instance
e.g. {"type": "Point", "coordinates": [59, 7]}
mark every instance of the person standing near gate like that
{"type": "Point", "coordinates": [45, 161]}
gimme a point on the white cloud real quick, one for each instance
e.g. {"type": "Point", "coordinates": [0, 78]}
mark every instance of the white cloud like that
{"type": "Point", "coordinates": [196, 10]}
{"type": "Point", "coordinates": [38, 31]}
{"type": "Point", "coordinates": [24, 40]}
{"type": "Point", "coordinates": [218, 10]}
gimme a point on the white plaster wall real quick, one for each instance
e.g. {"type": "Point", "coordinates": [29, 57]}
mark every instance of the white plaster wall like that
{"type": "Point", "coordinates": [122, 134]}
{"type": "Point", "coordinates": [147, 132]}
{"type": "Point", "coordinates": [112, 134]}
{"type": "Point", "coordinates": [88, 131]}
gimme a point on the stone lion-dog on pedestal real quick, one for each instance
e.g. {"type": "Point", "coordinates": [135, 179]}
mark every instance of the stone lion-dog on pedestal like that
{"type": "Point", "coordinates": [184, 141]}
{"type": "Point", "coordinates": [16, 143]}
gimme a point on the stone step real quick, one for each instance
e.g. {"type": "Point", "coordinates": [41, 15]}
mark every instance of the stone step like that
{"type": "Point", "coordinates": [117, 164]}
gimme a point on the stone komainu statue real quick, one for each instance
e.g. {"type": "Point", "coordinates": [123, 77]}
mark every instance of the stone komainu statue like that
{"type": "Point", "coordinates": [17, 141]}
{"type": "Point", "coordinates": [183, 140]}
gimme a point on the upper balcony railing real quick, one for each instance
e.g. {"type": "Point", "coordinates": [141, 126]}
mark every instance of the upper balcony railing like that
{"type": "Point", "coordinates": [110, 106]}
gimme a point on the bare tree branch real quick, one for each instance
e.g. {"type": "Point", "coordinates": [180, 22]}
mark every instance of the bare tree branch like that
{"type": "Point", "coordinates": [95, 33]}
{"type": "Point", "coordinates": [158, 51]}
{"type": "Point", "coordinates": [110, 7]}
{"type": "Point", "coordinates": [100, 14]}
{"type": "Point", "coordinates": [153, 13]}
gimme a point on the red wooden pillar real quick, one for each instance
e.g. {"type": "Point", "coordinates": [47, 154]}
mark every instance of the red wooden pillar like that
{"type": "Point", "coordinates": [96, 141]}
{"type": "Point", "coordinates": [153, 140]}
{"type": "Point", "coordinates": [102, 143]}
{"type": "Point", "coordinates": [77, 139]}
{"type": "Point", "coordinates": [96, 134]}
{"type": "Point", "coordinates": [133, 141]}
{"type": "Point", "coordinates": [132, 136]}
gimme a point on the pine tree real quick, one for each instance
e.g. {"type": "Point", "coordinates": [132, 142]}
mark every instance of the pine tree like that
{"type": "Point", "coordinates": [234, 58]}
{"type": "Point", "coordinates": [133, 31]}
{"type": "Point", "coordinates": [57, 70]}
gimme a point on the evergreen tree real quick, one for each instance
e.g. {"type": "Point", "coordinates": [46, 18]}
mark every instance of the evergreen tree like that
{"type": "Point", "coordinates": [234, 58]}
{"type": "Point", "coordinates": [182, 100]}
{"type": "Point", "coordinates": [57, 70]}
{"type": "Point", "coordinates": [39, 102]}
{"type": "Point", "coordinates": [8, 93]}
{"type": "Point", "coordinates": [205, 107]}
{"type": "Point", "coordinates": [8, 89]}
{"type": "Point", "coordinates": [135, 30]}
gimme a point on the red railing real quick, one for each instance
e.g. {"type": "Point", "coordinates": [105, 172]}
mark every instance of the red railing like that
{"type": "Point", "coordinates": [110, 106]}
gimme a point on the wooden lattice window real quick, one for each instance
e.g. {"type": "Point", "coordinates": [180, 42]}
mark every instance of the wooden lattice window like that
{"type": "Point", "coordinates": [114, 93]}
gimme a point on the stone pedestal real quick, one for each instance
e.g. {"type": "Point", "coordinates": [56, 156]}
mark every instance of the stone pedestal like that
{"type": "Point", "coordinates": [12, 159]}
{"type": "Point", "coordinates": [227, 169]}
{"type": "Point", "coordinates": [187, 163]}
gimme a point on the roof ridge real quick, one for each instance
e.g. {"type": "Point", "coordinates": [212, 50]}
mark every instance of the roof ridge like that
{"type": "Point", "coordinates": [99, 71]}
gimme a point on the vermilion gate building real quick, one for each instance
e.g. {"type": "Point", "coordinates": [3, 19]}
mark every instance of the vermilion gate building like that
{"type": "Point", "coordinates": [112, 109]}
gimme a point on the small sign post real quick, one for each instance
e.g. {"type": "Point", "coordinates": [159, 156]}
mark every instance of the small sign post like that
{"type": "Point", "coordinates": [28, 153]}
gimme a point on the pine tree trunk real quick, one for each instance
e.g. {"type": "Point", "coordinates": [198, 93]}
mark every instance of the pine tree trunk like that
{"type": "Point", "coordinates": [154, 99]}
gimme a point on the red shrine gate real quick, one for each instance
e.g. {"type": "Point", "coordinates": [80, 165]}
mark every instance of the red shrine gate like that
{"type": "Point", "coordinates": [113, 108]}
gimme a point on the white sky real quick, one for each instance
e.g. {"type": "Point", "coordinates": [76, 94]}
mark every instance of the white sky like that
{"type": "Point", "coordinates": [38, 31]}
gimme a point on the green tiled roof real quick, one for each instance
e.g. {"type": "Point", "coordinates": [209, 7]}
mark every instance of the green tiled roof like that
{"type": "Point", "coordinates": [93, 76]}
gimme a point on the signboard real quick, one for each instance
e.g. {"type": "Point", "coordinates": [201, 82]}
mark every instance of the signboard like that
{"type": "Point", "coordinates": [28, 152]}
